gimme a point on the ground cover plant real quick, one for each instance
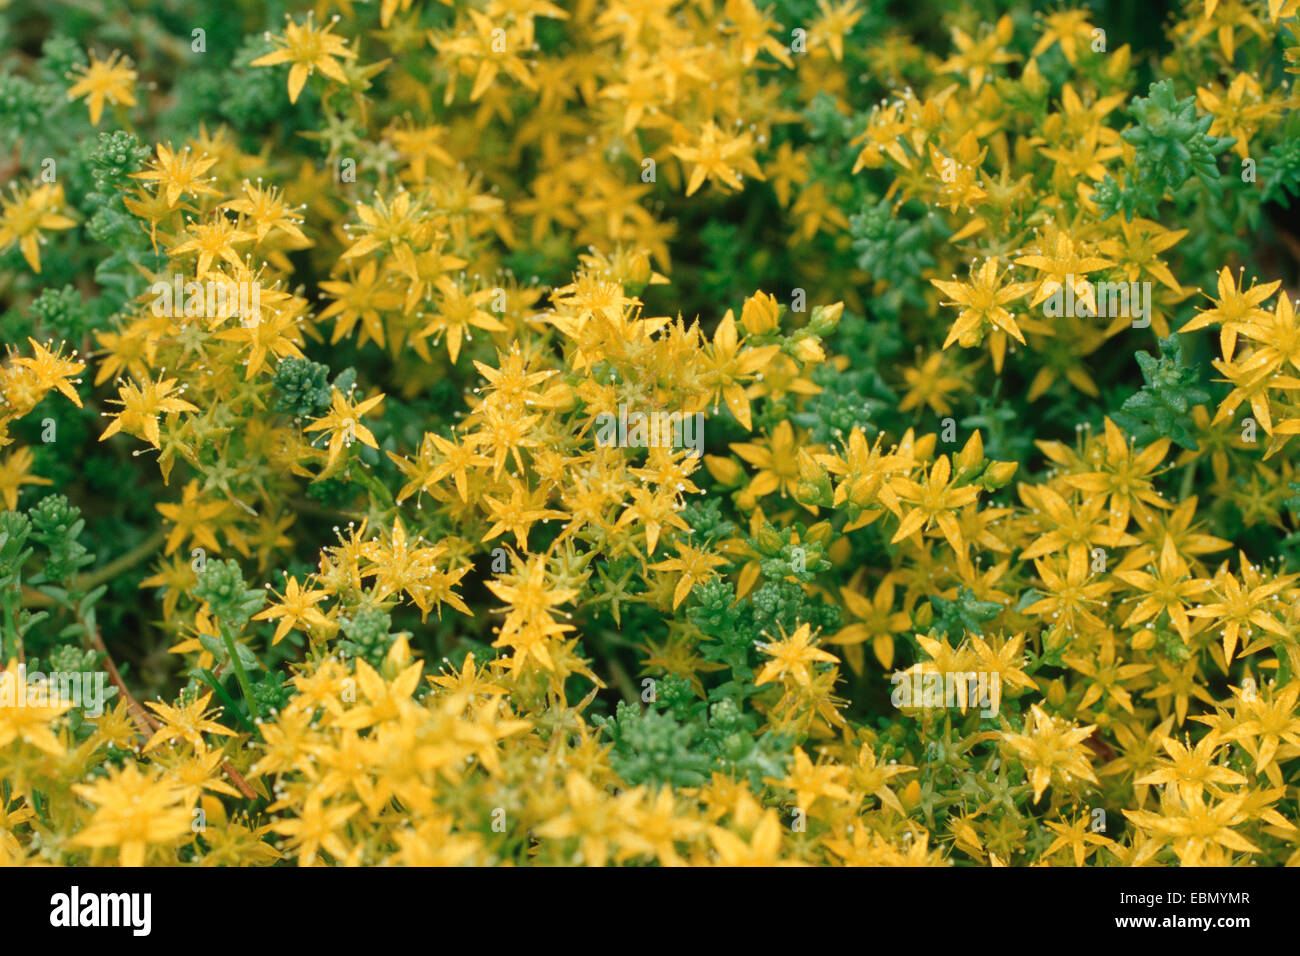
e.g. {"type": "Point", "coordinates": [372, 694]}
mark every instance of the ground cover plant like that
{"type": "Point", "coordinates": [678, 432]}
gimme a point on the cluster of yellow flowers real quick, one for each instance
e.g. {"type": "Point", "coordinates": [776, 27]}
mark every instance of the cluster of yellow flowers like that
{"type": "Point", "coordinates": [1141, 663]}
{"type": "Point", "coordinates": [24, 382]}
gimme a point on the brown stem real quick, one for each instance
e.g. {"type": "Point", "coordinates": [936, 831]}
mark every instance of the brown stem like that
{"type": "Point", "coordinates": [1291, 242]}
{"type": "Point", "coordinates": [145, 721]}
{"type": "Point", "coordinates": [622, 680]}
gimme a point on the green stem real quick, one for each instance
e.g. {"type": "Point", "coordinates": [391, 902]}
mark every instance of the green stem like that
{"type": "Point", "coordinates": [94, 579]}
{"type": "Point", "coordinates": [373, 484]}
{"type": "Point", "coordinates": [1185, 488]}
{"type": "Point", "coordinates": [9, 623]}
{"type": "Point", "coordinates": [240, 674]}
{"type": "Point", "coordinates": [211, 680]}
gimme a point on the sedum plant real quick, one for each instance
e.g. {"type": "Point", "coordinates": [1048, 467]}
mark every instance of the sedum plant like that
{"type": "Point", "coordinates": [692, 433]}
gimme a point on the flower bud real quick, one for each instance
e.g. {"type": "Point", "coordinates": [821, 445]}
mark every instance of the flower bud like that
{"type": "Point", "coordinates": [809, 351]}
{"type": "Point", "coordinates": [760, 313]}
{"type": "Point", "coordinates": [1056, 693]}
{"type": "Point", "coordinates": [825, 318]}
{"type": "Point", "coordinates": [999, 473]}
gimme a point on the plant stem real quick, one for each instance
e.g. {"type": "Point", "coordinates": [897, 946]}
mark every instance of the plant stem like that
{"type": "Point", "coordinates": [144, 721]}
{"type": "Point", "coordinates": [1185, 488]}
{"type": "Point", "coordinates": [373, 484]}
{"type": "Point", "coordinates": [94, 579]}
{"type": "Point", "coordinates": [622, 680]}
{"type": "Point", "coordinates": [240, 674]}
{"type": "Point", "coordinates": [9, 624]}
